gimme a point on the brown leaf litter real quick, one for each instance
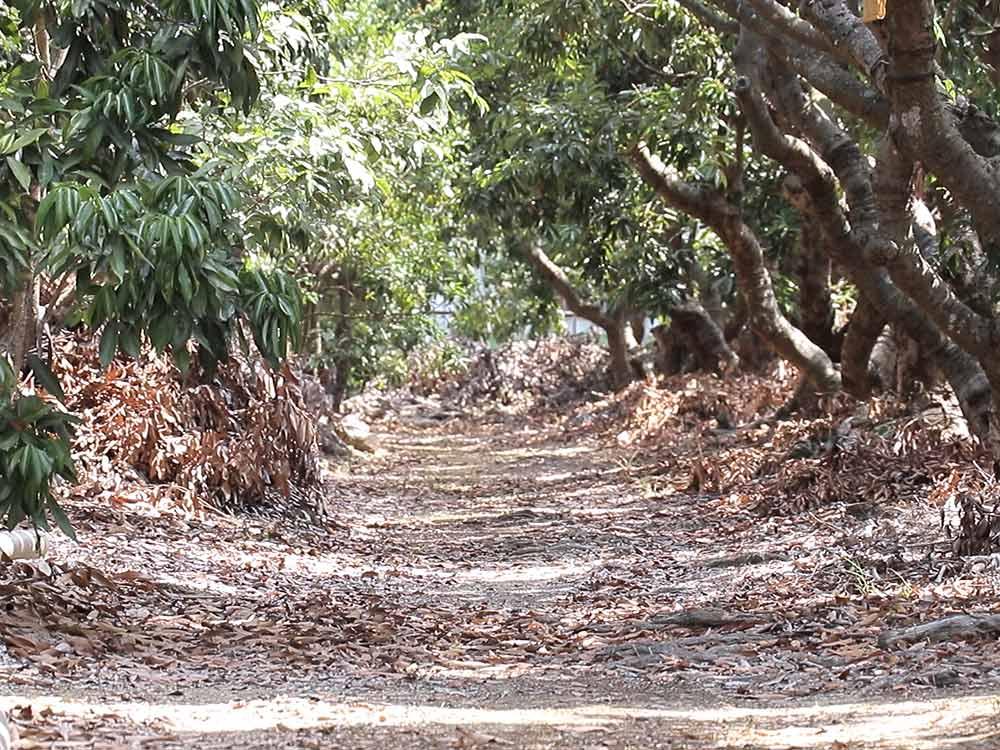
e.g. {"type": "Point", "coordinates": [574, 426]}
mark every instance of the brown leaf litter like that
{"type": "Point", "coordinates": [666, 567]}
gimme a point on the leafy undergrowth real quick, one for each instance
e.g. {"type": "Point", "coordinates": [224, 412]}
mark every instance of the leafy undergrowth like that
{"type": "Point", "coordinates": [519, 377]}
{"type": "Point", "coordinates": [704, 435]}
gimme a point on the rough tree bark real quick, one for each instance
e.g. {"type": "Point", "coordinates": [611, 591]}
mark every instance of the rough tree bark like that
{"type": "Point", "coordinates": [896, 65]}
{"type": "Point", "coordinates": [752, 276]}
{"type": "Point", "coordinates": [618, 346]}
{"type": "Point", "coordinates": [856, 368]}
{"type": "Point", "coordinates": [812, 268]}
{"type": "Point", "coordinates": [814, 190]}
{"type": "Point", "coordinates": [703, 338]}
{"type": "Point", "coordinates": [613, 323]}
{"type": "Point", "coordinates": [670, 350]}
{"type": "Point", "coordinates": [920, 123]}
{"type": "Point", "coordinates": [844, 42]}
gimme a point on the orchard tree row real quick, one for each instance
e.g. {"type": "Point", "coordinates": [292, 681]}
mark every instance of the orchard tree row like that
{"type": "Point", "coordinates": [799, 153]}
{"type": "Point", "coordinates": [313, 178]}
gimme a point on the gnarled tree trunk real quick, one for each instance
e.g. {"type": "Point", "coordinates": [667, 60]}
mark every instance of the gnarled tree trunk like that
{"type": "Point", "coordinates": [613, 324]}
{"type": "Point", "coordinates": [812, 268]}
{"type": "Point", "coordinates": [860, 377]}
{"type": "Point", "coordinates": [670, 350]}
{"type": "Point", "coordinates": [752, 276]}
{"type": "Point", "coordinates": [703, 338]}
{"type": "Point", "coordinates": [816, 164]}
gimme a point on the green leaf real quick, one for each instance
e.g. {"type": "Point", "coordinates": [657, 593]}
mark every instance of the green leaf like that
{"type": "Point", "coordinates": [182, 359]}
{"type": "Point", "coordinates": [21, 141]}
{"type": "Point", "coordinates": [21, 172]}
{"type": "Point", "coordinates": [184, 282]}
{"type": "Point", "coordinates": [430, 103]}
{"type": "Point", "coordinates": [61, 519]}
{"type": "Point", "coordinates": [45, 377]}
{"type": "Point", "coordinates": [128, 339]}
{"type": "Point", "coordinates": [223, 279]}
{"type": "Point", "coordinates": [161, 331]}
{"type": "Point", "coordinates": [117, 261]}
{"type": "Point", "coordinates": [109, 344]}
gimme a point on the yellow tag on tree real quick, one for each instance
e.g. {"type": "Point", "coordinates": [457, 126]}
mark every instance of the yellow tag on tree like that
{"type": "Point", "coordinates": [874, 10]}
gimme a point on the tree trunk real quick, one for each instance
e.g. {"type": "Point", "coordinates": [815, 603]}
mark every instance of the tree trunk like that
{"type": "Point", "coordinates": [22, 330]}
{"type": "Point", "coordinates": [708, 293]}
{"type": "Point", "coordinates": [813, 189]}
{"type": "Point", "coordinates": [913, 366]}
{"type": "Point", "coordinates": [911, 272]}
{"type": "Point", "coordinates": [748, 263]}
{"type": "Point", "coordinates": [812, 268]}
{"type": "Point", "coordinates": [922, 126]}
{"type": "Point", "coordinates": [612, 324]}
{"type": "Point", "coordinates": [883, 359]}
{"type": "Point", "coordinates": [703, 338]}
{"type": "Point", "coordinates": [23, 324]}
{"type": "Point", "coordinates": [670, 350]}
{"type": "Point", "coordinates": [620, 369]}
{"type": "Point", "coordinates": [863, 332]}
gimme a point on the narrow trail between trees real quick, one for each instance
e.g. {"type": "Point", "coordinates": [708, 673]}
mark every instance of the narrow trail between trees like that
{"type": "Point", "coordinates": [481, 586]}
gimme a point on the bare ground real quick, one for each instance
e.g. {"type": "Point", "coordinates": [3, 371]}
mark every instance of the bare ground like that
{"type": "Point", "coordinates": [490, 586]}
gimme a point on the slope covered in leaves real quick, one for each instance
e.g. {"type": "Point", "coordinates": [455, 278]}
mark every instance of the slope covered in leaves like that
{"type": "Point", "coordinates": [722, 437]}
{"type": "Point", "coordinates": [150, 435]}
{"type": "Point", "coordinates": [520, 376]}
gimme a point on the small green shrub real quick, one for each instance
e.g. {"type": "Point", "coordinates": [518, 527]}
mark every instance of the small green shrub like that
{"type": "Point", "coordinates": [34, 454]}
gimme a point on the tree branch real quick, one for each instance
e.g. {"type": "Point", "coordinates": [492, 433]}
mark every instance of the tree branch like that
{"type": "Point", "coordinates": [812, 189]}
{"type": "Point", "coordinates": [748, 265]}
{"type": "Point", "coordinates": [920, 123]}
{"type": "Point", "coordinates": [561, 283]}
{"type": "Point", "coordinates": [708, 16]}
{"type": "Point", "coordinates": [799, 29]}
{"type": "Point", "coordinates": [846, 32]}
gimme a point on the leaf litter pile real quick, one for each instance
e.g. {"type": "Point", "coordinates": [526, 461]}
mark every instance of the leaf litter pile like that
{"type": "Point", "coordinates": [664, 567]}
{"type": "Point", "coordinates": [242, 437]}
{"type": "Point", "coordinates": [518, 377]}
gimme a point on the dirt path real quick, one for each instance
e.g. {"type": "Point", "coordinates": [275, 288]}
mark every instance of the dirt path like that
{"type": "Point", "coordinates": [488, 587]}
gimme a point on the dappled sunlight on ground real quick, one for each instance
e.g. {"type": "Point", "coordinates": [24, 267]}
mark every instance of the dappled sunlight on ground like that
{"type": "Point", "coordinates": [493, 589]}
{"type": "Point", "coordinates": [920, 725]}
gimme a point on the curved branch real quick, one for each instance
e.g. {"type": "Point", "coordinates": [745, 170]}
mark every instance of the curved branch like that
{"type": "Point", "coordinates": [561, 283]}
{"type": "Point", "coordinates": [612, 323]}
{"type": "Point", "coordinates": [848, 33]}
{"type": "Point", "coordinates": [840, 87]}
{"type": "Point", "coordinates": [708, 16]}
{"type": "Point", "coordinates": [813, 191]}
{"type": "Point", "coordinates": [799, 29]}
{"type": "Point", "coordinates": [866, 324]}
{"type": "Point", "coordinates": [921, 124]}
{"type": "Point", "coordinates": [748, 264]}
{"type": "Point", "coordinates": [914, 274]}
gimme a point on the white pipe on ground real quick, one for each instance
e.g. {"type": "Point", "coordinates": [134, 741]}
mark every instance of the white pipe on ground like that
{"type": "Point", "coordinates": [23, 544]}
